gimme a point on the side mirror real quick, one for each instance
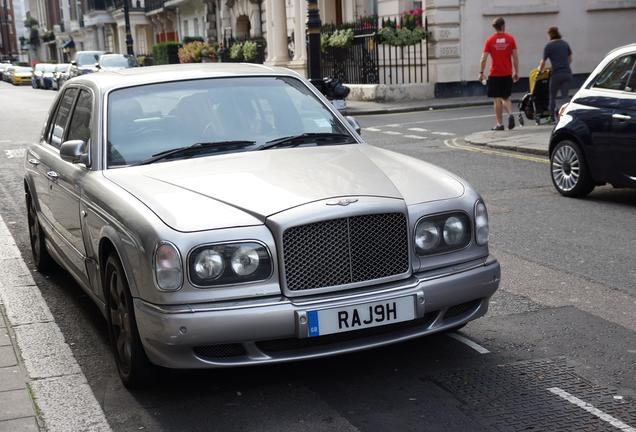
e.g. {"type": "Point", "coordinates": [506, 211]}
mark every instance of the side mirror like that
{"type": "Point", "coordinates": [74, 151]}
{"type": "Point", "coordinates": [354, 124]}
{"type": "Point", "coordinates": [73, 62]}
{"type": "Point", "coordinates": [97, 66]}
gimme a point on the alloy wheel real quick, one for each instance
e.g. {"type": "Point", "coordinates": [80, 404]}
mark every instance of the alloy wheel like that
{"type": "Point", "coordinates": [120, 319]}
{"type": "Point", "coordinates": [34, 232]}
{"type": "Point", "coordinates": [566, 168]}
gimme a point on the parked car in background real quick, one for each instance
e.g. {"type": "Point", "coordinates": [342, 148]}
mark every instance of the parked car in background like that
{"type": "Point", "coordinates": [36, 79]}
{"type": "Point", "coordinates": [46, 79]}
{"type": "Point", "coordinates": [8, 72]}
{"type": "Point", "coordinates": [60, 76]}
{"type": "Point", "coordinates": [22, 75]}
{"type": "Point", "coordinates": [84, 62]}
{"type": "Point", "coordinates": [3, 67]}
{"type": "Point", "coordinates": [226, 215]}
{"type": "Point", "coordinates": [594, 141]}
{"type": "Point", "coordinates": [111, 62]}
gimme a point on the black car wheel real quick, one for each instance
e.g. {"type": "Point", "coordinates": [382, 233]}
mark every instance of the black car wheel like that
{"type": "Point", "coordinates": [135, 370]}
{"type": "Point", "coordinates": [41, 257]}
{"type": "Point", "coordinates": [569, 172]}
{"type": "Point", "coordinates": [34, 84]}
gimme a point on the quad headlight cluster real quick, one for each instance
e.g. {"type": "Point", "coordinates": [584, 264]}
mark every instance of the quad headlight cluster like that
{"type": "Point", "coordinates": [229, 263]}
{"type": "Point", "coordinates": [451, 231]}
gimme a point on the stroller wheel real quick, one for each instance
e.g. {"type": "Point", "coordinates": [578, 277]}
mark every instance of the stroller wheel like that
{"type": "Point", "coordinates": [521, 121]}
{"type": "Point", "coordinates": [538, 121]}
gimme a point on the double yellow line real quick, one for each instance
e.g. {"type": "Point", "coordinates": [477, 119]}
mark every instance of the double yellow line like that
{"type": "Point", "coordinates": [457, 146]}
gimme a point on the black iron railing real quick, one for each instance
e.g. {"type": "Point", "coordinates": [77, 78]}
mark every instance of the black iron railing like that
{"type": "Point", "coordinates": [371, 60]}
{"type": "Point", "coordinates": [154, 5]}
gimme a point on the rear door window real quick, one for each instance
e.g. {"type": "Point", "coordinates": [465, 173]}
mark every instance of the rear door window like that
{"type": "Point", "coordinates": [58, 126]}
{"type": "Point", "coordinates": [616, 74]}
{"type": "Point", "coordinates": [79, 128]}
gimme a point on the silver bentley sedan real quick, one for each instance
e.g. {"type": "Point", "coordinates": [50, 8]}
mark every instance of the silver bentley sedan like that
{"type": "Point", "coordinates": [226, 215]}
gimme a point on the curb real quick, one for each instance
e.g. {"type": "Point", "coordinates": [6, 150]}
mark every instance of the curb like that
{"type": "Point", "coordinates": [63, 399]}
{"type": "Point", "coordinates": [440, 106]}
{"type": "Point", "coordinates": [519, 149]}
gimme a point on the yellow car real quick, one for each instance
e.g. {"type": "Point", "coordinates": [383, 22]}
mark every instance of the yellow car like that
{"type": "Point", "coordinates": [21, 75]}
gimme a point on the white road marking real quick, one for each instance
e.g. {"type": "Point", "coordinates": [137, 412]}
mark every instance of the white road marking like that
{"type": "Point", "coordinates": [414, 136]}
{"type": "Point", "coordinates": [393, 125]}
{"type": "Point", "coordinates": [592, 409]}
{"type": "Point", "coordinates": [440, 120]}
{"type": "Point", "coordinates": [474, 345]}
{"type": "Point", "coordinates": [5, 141]}
{"type": "Point", "coordinates": [392, 133]}
{"type": "Point", "coordinates": [62, 394]}
{"type": "Point", "coordinates": [15, 153]}
{"type": "Point", "coordinates": [372, 129]}
{"type": "Point", "coordinates": [443, 133]}
{"type": "Point", "coordinates": [418, 129]}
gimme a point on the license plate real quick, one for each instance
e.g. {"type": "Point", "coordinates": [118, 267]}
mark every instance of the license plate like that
{"type": "Point", "coordinates": [347, 318]}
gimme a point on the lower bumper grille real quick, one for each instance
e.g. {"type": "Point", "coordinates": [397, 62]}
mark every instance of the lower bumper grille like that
{"type": "Point", "coordinates": [345, 251]}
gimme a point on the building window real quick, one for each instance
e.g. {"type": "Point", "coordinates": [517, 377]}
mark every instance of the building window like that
{"type": "Point", "coordinates": [195, 24]}
{"type": "Point", "coordinates": [186, 30]}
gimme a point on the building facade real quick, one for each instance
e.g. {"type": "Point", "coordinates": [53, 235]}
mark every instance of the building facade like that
{"type": "Point", "coordinates": [8, 39]}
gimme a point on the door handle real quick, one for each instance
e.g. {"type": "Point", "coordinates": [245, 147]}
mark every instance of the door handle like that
{"type": "Point", "coordinates": [33, 161]}
{"type": "Point", "coordinates": [53, 175]}
{"type": "Point", "coordinates": [621, 117]}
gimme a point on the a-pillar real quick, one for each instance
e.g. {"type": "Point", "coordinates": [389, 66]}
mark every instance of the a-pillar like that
{"type": "Point", "coordinates": [277, 54]}
{"type": "Point", "coordinates": [101, 37]}
{"type": "Point", "coordinates": [299, 62]}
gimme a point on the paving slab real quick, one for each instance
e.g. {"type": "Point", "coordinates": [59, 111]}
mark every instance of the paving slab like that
{"type": "Point", "coordinates": [27, 424]}
{"type": "Point", "coordinates": [7, 356]}
{"type": "Point", "coordinates": [4, 337]}
{"type": "Point", "coordinates": [15, 404]}
{"type": "Point", "coordinates": [25, 305]}
{"type": "Point", "coordinates": [11, 379]}
{"type": "Point", "coordinates": [527, 139]}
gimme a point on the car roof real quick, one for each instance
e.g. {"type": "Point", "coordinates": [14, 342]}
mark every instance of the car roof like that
{"type": "Point", "coordinates": [105, 81]}
{"type": "Point", "coordinates": [623, 49]}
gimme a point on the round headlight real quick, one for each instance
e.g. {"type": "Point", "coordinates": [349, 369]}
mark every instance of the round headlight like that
{"type": "Point", "coordinates": [168, 271]}
{"type": "Point", "coordinates": [454, 231]}
{"type": "Point", "coordinates": [245, 261]}
{"type": "Point", "coordinates": [481, 224]}
{"type": "Point", "coordinates": [427, 236]}
{"type": "Point", "coordinates": [208, 264]}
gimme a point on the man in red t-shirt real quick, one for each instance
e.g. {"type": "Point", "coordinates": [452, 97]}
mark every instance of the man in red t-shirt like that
{"type": "Point", "coordinates": [502, 49]}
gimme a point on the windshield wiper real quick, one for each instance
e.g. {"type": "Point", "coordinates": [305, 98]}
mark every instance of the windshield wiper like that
{"type": "Point", "coordinates": [295, 140]}
{"type": "Point", "coordinates": [194, 149]}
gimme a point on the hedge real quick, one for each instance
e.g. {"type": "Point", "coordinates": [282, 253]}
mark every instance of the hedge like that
{"type": "Point", "coordinates": [166, 53]}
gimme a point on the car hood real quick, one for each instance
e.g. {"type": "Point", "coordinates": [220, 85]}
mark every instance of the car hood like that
{"type": "Point", "coordinates": [242, 189]}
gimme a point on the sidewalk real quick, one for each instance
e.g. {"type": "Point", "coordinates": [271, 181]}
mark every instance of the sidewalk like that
{"type": "Point", "coordinates": [369, 108]}
{"type": "Point", "coordinates": [525, 139]}
{"type": "Point", "coordinates": [17, 413]}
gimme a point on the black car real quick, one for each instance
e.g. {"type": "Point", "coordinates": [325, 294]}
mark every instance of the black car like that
{"type": "Point", "coordinates": [594, 141]}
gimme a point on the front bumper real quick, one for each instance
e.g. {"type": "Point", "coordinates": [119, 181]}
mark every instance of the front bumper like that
{"type": "Point", "coordinates": [21, 80]}
{"type": "Point", "coordinates": [272, 330]}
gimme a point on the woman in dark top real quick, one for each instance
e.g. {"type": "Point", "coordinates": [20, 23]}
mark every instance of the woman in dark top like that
{"type": "Point", "coordinates": [560, 55]}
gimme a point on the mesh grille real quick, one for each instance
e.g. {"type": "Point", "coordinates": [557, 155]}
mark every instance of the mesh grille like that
{"type": "Point", "coordinates": [220, 351]}
{"type": "Point", "coordinates": [344, 251]}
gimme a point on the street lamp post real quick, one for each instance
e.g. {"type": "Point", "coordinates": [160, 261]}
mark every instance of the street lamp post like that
{"type": "Point", "coordinates": [313, 49]}
{"type": "Point", "coordinates": [129, 39]}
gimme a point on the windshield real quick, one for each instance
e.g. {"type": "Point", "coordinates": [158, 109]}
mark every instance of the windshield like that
{"type": "Point", "coordinates": [87, 58]}
{"type": "Point", "coordinates": [149, 119]}
{"type": "Point", "coordinates": [61, 67]}
{"type": "Point", "coordinates": [23, 69]}
{"type": "Point", "coordinates": [49, 68]}
{"type": "Point", "coordinates": [117, 61]}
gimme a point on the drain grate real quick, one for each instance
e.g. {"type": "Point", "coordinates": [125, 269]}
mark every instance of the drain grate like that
{"type": "Point", "coordinates": [515, 397]}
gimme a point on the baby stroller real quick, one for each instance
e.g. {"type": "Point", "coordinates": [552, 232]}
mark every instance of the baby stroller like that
{"type": "Point", "coordinates": [536, 104]}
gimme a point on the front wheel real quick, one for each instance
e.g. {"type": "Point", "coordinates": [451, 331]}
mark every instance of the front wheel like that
{"type": "Point", "coordinates": [569, 172]}
{"type": "Point", "coordinates": [135, 370]}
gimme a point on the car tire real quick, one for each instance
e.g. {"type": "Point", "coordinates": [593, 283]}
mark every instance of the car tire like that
{"type": "Point", "coordinates": [568, 170]}
{"type": "Point", "coordinates": [133, 366]}
{"type": "Point", "coordinates": [33, 84]}
{"type": "Point", "coordinates": [41, 257]}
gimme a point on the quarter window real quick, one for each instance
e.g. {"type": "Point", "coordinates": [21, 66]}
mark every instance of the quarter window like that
{"type": "Point", "coordinates": [79, 128]}
{"type": "Point", "coordinates": [616, 74]}
{"type": "Point", "coordinates": [56, 134]}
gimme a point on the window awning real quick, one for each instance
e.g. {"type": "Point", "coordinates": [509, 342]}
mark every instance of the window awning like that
{"type": "Point", "coordinates": [69, 44]}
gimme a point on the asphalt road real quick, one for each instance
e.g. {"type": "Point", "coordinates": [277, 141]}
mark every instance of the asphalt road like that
{"type": "Point", "coordinates": [561, 330]}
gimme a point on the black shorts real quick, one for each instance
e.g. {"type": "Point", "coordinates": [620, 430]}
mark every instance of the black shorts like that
{"type": "Point", "coordinates": [499, 86]}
